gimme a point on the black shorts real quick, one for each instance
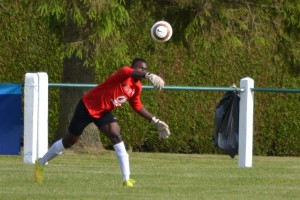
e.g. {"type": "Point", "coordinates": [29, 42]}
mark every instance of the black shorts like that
{"type": "Point", "coordinates": [81, 118]}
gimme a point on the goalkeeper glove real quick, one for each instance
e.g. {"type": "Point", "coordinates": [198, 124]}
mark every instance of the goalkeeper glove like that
{"type": "Point", "coordinates": [162, 128]}
{"type": "Point", "coordinates": [156, 80]}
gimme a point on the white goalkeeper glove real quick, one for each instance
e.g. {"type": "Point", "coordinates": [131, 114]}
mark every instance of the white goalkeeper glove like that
{"type": "Point", "coordinates": [162, 128]}
{"type": "Point", "coordinates": [156, 80]}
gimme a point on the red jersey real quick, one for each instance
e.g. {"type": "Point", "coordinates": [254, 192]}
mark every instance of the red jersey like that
{"type": "Point", "coordinates": [113, 92]}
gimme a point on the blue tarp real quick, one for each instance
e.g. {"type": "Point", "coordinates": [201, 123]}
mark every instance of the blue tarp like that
{"type": "Point", "coordinates": [11, 119]}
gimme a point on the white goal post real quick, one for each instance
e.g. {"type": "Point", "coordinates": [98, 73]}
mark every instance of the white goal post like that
{"type": "Point", "coordinates": [35, 116]}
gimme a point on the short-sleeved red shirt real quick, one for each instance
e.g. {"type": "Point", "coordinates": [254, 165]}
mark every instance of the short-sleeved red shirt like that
{"type": "Point", "coordinates": [113, 92]}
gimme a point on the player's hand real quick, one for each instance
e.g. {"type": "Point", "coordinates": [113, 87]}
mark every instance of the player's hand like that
{"type": "Point", "coordinates": [156, 80]}
{"type": "Point", "coordinates": [162, 128]}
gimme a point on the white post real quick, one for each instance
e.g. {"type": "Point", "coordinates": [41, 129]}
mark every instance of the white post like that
{"type": "Point", "coordinates": [35, 116]}
{"type": "Point", "coordinates": [246, 123]}
{"type": "Point", "coordinates": [30, 117]}
{"type": "Point", "coordinates": [42, 137]}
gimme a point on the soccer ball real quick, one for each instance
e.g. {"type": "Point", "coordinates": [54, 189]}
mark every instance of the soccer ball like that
{"type": "Point", "coordinates": [161, 31]}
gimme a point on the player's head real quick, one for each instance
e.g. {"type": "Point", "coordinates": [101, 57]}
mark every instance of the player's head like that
{"type": "Point", "coordinates": [139, 64]}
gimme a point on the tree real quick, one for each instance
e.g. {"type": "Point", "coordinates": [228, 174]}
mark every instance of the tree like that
{"type": "Point", "coordinates": [85, 27]}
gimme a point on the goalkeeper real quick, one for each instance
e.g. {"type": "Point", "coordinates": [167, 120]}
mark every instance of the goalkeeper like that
{"type": "Point", "coordinates": [96, 106]}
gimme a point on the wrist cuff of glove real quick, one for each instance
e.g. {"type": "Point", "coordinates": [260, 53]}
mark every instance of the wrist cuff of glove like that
{"type": "Point", "coordinates": [148, 75]}
{"type": "Point", "coordinates": [154, 120]}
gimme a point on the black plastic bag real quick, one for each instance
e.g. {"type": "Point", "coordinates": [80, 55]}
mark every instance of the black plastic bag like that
{"type": "Point", "coordinates": [226, 134]}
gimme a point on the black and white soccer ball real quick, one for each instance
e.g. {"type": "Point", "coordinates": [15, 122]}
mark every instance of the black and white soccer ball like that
{"type": "Point", "coordinates": [161, 31]}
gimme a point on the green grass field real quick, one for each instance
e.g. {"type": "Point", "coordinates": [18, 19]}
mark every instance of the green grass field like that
{"type": "Point", "coordinates": [96, 175]}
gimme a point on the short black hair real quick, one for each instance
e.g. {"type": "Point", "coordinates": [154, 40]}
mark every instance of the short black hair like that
{"type": "Point", "coordinates": [136, 60]}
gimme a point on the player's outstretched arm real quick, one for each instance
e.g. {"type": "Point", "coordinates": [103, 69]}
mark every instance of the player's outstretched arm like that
{"type": "Point", "coordinates": [157, 81]}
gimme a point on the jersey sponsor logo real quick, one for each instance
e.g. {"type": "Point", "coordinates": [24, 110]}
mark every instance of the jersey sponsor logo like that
{"type": "Point", "coordinates": [128, 90]}
{"type": "Point", "coordinates": [119, 101]}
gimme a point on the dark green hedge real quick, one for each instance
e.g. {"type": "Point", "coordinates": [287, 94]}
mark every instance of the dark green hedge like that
{"type": "Point", "coordinates": [225, 51]}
